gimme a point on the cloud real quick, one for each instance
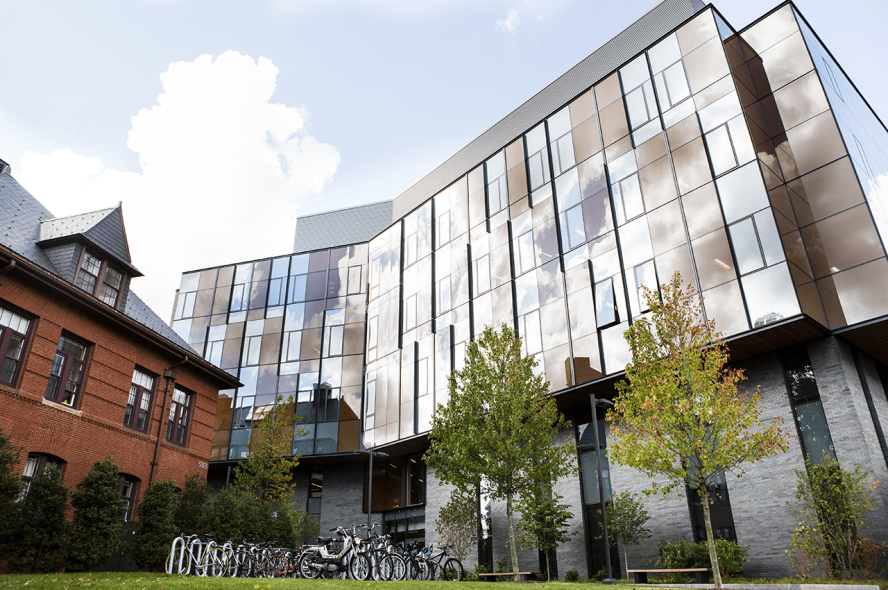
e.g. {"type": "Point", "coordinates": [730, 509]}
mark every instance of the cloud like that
{"type": "Point", "coordinates": [223, 170]}
{"type": "Point", "coordinates": [510, 23]}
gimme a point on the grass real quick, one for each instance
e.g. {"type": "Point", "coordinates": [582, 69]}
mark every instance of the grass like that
{"type": "Point", "coordinates": [153, 581]}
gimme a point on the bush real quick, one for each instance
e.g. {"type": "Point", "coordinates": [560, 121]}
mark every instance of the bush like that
{"type": "Point", "coordinates": [190, 511]}
{"type": "Point", "coordinates": [475, 574]}
{"type": "Point", "coordinates": [502, 566]}
{"type": "Point", "coordinates": [572, 576]}
{"type": "Point", "coordinates": [157, 528]}
{"type": "Point", "coordinates": [306, 527]}
{"type": "Point", "coordinates": [98, 517]}
{"type": "Point", "coordinates": [10, 480]}
{"type": "Point", "coordinates": [38, 529]}
{"type": "Point", "coordinates": [683, 554]}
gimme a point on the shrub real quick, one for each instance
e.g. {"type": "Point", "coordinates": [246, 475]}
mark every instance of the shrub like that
{"type": "Point", "coordinates": [683, 554]}
{"type": "Point", "coordinates": [475, 574]}
{"type": "Point", "coordinates": [306, 527]}
{"type": "Point", "coordinates": [502, 566]}
{"type": "Point", "coordinates": [38, 529]}
{"type": "Point", "coordinates": [190, 511]}
{"type": "Point", "coordinates": [10, 480]}
{"type": "Point", "coordinates": [157, 528]}
{"type": "Point", "coordinates": [98, 517]}
{"type": "Point", "coordinates": [572, 576]}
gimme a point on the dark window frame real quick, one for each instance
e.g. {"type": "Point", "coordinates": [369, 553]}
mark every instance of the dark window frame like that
{"type": "Point", "coordinates": [177, 428]}
{"type": "Point", "coordinates": [41, 461]}
{"type": "Point", "coordinates": [135, 400]}
{"type": "Point", "coordinates": [7, 334]}
{"type": "Point", "coordinates": [58, 393]}
{"type": "Point", "coordinates": [100, 278]}
{"type": "Point", "coordinates": [128, 490]}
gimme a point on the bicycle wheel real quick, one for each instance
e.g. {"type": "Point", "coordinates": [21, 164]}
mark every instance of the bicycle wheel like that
{"type": "Point", "coordinates": [174, 559]}
{"type": "Point", "coordinates": [309, 567]}
{"type": "Point", "coordinates": [359, 567]}
{"type": "Point", "coordinates": [214, 562]}
{"type": "Point", "coordinates": [380, 565]}
{"type": "Point", "coordinates": [399, 567]}
{"type": "Point", "coordinates": [451, 571]}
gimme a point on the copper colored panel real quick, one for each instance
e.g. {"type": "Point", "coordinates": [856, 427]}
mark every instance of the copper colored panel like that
{"type": "Point", "coordinates": [801, 100]}
{"type": "Point", "coordinates": [796, 253]}
{"type": "Point", "coordinates": [226, 275]}
{"type": "Point", "coordinates": [558, 367]}
{"type": "Point", "coordinates": [667, 227]}
{"type": "Point", "coordinates": [657, 184]}
{"type": "Point", "coordinates": [862, 291]}
{"type": "Point", "coordinates": [517, 178]}
{"type": "Point", "coordinates": [613, 123]}
{"type": "Point", "coordinates": [691, 166]}
{"type": "Point", "coordinates": [695, 33]}
{"type": "Point", "coordinates": [683, 132]}
{"type": "Point", "coordinates": [608, 91]}
{"type": "Point", "coordinates": [811, 304]}
{"type": "Point", "coordinates": [787, 61]}
{"type": "Point", "coordinates": [779, 198]}
{"type": "Point", "coordinates": [772, 29]}
{"type": "Point", "coordinates": [724, 304]}
{"type": "Point", "coordinates": [586, 358]}
{"type": "Point", "coordinates": [582, 108]}
{"type": "Point", "coordinates": [515, 153]}
{"type": "Point", "coordinates": [519, 207]}
{"type": "Point", "coordinates": [831, 189]}
{"type": "Point", "coordinates": [586, 139]}
{"type": "Point", "coordinates": [849, 238]}
{"type": "Point", "coordinates": [702, 211]}
{"type": "Point", "coordinates": [349, 436]}
{"type": "Point", "coordinates": [706, 64]}
{"type": "Point", "coordinates": [650, 151]}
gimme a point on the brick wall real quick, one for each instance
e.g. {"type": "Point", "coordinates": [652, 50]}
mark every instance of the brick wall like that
{"type": "Point", "coordinates": [95, 428]}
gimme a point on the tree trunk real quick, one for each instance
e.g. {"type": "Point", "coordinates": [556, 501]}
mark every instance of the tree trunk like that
{"type": "Point", "coordinates": [548, 567]}
{"type": "Point", "coordinates": [710, 539]}
{"type": "Point", "coordinates": [513, 547]}
{"type": "Point", "coordinates": [626, 560]}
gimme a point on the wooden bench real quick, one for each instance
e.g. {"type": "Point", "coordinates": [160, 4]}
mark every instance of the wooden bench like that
{"type": "Point", "coordinates": [700, 573]}
{"type": "Point", "coordinates": [524, 576]}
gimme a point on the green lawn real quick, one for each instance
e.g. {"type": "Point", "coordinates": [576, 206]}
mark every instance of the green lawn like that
{"type": "Point", "coordinates": [146, 581]}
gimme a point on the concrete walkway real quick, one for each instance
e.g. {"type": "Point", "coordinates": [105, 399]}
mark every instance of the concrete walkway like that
{"type": "Point", "coordinates": [767, 586]}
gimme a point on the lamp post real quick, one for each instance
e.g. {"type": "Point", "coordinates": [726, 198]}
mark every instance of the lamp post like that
{"type": "Point", "coordinates": [604, 403]}
{"type": "Point", "coordinates": [370, 482]}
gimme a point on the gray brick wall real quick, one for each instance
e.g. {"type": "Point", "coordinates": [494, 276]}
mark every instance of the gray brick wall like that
{"type": "Point", "coordinates": [850, 422]}
{"type": "Point", "coordinates": [572, 554]}
{"type": "Point", "coordinates": [343, 496]}
{"type": "Point", "coordinates": [759, 497]}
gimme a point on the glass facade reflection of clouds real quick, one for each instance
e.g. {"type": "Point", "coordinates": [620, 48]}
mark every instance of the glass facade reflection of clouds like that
{"type": "Point", "coordinates": [745, 161]}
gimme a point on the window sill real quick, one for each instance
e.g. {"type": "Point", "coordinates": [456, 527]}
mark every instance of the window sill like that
{"type": "Point", "coordinates": [62, 407]}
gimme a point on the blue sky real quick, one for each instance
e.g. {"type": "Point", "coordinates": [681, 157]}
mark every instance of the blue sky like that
{"type": "Point", "coordinates": [217, 123]}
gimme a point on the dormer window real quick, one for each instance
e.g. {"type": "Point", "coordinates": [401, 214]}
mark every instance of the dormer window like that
{"type": "Point", "coordinates": [92, 269]}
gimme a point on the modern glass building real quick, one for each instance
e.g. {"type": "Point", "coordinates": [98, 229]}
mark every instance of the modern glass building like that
{"type": "Point", "coordinates": [746, 160]}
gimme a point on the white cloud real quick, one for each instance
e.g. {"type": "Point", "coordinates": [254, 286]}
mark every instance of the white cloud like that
{"type": "Point", "coordinates": [223, 170]}
{"type": "Point", "coordinates": [510, 23]}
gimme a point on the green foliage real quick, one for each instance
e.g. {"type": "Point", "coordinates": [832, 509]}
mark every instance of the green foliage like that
{"type": "Point", "coordinates": [626, 517]}
{"type": "Point", "coordinates": [157, 527]}
{"type": "Point", "coordinates": [10, 480]}
{"type": "Point", "coordinates": [683, 554]}
{"type": "Point", "coordinates": [499, 425]}
{"type": "Point", "coordinates": [830, 507]}
{"type": "Point", "coordinates": [224, 515]}
{"type": "Point", "coordinates": [268, 471]}
{"type": "Point", "coordinates": [502, 566]}
{"type": "Point", "coordinates": [190, 511]}
{"type": "Point", "coordinates": [306, 527]}
{"type": "Point", "coordinates": [679, 415]}
{"type": "Point", "coordinates": [38, 528]}
{"type": "Point", "coordinates": [457, 523]}
{"type": "Point", "coordinates": [544, 521]}
{"type": "Point", "coordinates": [98, 517]}
{"type": "Point", "coordinates": [475, 574]}
{"type": "Point", "coordinates": [572, 576]}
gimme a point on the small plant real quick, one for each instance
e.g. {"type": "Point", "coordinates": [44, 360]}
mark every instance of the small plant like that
{"type": "Point", "coordinates": [572, 576]}
{"type": "Point", "coordinates": [868, 555]}
{"type": "Point", "coordinates": [502, 566]}
{"type": "Point", "coordinates": [475, 574]}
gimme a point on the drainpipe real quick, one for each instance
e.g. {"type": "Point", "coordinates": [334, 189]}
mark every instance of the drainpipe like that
{"type": "Point", "coordinates": [7, 268]}
{"type": "Point", "coordinates": [169, 375]}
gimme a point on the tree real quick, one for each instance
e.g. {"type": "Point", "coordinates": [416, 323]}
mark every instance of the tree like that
{"type": "Point", "coordinates": [306, 526]}
{"type": "Point", "coordinates": [679, 414]}
{"type": "Point", "coordinates": [157, 528]}
{"type": "Point", "coordinates": [626, 517]}
{"type": "Point", "coordinates": [189, 512]}
{"type": "Point", "coordinates": [39, 527]}
{"type": "Point", "coordinates": [544, 521]}
{"type": "Point", "coordinates": [498, 426]}
{"type": "Point", "coordinates": [268, 471]}
{"type": "Point", "coordinates": [457, 523]}
{"type": "Point", "coordinates": [831, 505]}
{"type": "Point", "coordinates": [10, 480]}
{"type": "Point", "coordinates": [97, 525]}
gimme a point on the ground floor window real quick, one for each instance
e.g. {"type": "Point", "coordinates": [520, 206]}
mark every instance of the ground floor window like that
{"type": "Point", "coordinates": [35, 466]}
{"type": "Point", "coordinates": [406, 525]}
{"type": "Point", "coordinates": [719, 511]}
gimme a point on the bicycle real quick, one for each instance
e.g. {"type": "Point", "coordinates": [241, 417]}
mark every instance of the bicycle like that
{"type": "Point", "coordinates": [318, 560]}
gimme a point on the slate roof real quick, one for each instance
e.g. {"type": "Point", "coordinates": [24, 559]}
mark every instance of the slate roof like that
{"type": "Point", "coordinates": [659, 21]}
{"type": "Point", "coordinates": [21, 219]}
{"type": "Point", "coordinates": [104, 228]}
{"type": "Point", "coordinates": [341, 227]}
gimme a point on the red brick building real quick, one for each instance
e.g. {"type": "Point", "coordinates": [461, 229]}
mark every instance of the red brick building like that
{"type": "Point", "coordinates": [87, 370]}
